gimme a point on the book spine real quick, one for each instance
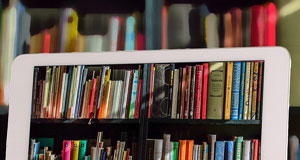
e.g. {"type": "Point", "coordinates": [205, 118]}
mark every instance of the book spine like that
{"type": "Point", "coordinates": [179, 94]}
{"type": "Point", "coordinates": [183, 93]}
{"type": "Point", "coordinates": [129, 94]}
{"type": "Point", "coordinates": [57, 87]}
{"type": "Point", "coordinates": [78, 75]}
{"type": "Point", "coordinates": [171, 82]}
{"type": "Point", "coordinates": [190, 146]}
{"type": "Point", "coordinates": [77, 109]}
{"type": "Point", "coordinates": [228, 90]}
{"type": "Point", "coordinates": [251, 91]}
{"type": "Point", "coordinates": [171, 154]}
{"type": "Point", "coordinates": [133, 94]}
{"type": "Point", "coordinates": [175, 150]}
{"type": "Point", "coordinates": [192, 95]}
{"type": "Point", "coordinates": [205, 86]}
{"type": "Point", "coordinates": [236, 78]}
{"type": "Point", "coordinates": [101, 87]}
{"type": "Point", "coordinates": [175, 94]}
{"type": "Point", "coordinates": [150, 89]}
{"type": "Point", "coordinates": [220, 149]}
{"type": "Point", "coordinates": [195, 152]}
{"type": "Point", "coordinates": [67, 150]}
{"type": "Point", "coordinates": [71, 93]}
{"type": "Point", "coordinates": [187, 92]}
{"type": "Point", "coordinates": [63, 91]}
{"type": "Point", "coordinates": [158, 147]}
{"type": "Point", "coordinates": [211, 146]}
{"type": "Point", "coordinates": [198, 92]}
{"type": "Point", "coordinates": [82, 94]}
{"type": "Point", "coordinates": [247, 90]}
{"type": "Point", "coordinates": [82, 149]}
{"type": "Point", "coordinates": [229, 150]}
{"type": "Point", "coordinates": [259, 94]}
{"type": "Point", "coordinates": [256, 149]}
{"type": "Point", "coordinates": [51, 93]}
{"type": "Point", "coordinates": [125, 94]}
{"type": "Point", "coordinates": [182, 150]}
{"type": "Point", "coordinates": [242, 90]}
{"type": "Point", "coordinates": [205, 151]}
{"type": "Point", "coordinates": [246, 150]}
{"type": "Point", "coordinates": [238, 149]}
{"type": "Point", "coordinates": [74, 150]}
{"type": "Point", "coordinates": [60, 91]}
{"type": "Point", "coordinates": [150, 149]}
{"type": "Point", "coordinates": [200, 153]}
{"type": "Point", "coordinates": [91, 114]}
{"type": "Point", "coordinates": [138, 100]}
{"type": "Point", "coordinates": [166, 147]}
{"type": "Point", "coordinates": [34, 94]}
{"type": "Point", "coordinates": [254, 94]}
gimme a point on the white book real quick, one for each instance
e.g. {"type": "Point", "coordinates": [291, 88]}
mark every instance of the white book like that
{"type": "Point", "coordinates": [78, 74]}
{"type": "Point", "coordinates": [212, 35]}
{"type": "Point", "coordinates": [170, 151]}
{"type": "Point", "coordinates": [119, 99]}
{"type": "Point", "coordinates": [107, 99]}
{"type": "Point", "coordinates": [246, 150]}
{"type": "Point", "coordinates": [121, 150]}
{"type": "Point", "coordinates": [166, 147]}
{"type": "Point", "coordinates": [175, 94]}
{"type": "Point", "coordinates": [114, 30]}
{"type": "Point", "coordinates": [113, 107]}
{"type": "Point", "coordinates": [246, 94]}
{"type": "Point", "coordinates": [93, 43]}
{"type": "Point", "coordinates": [49, 106]}
{"type": "Point", "coordinates": [158, 147]}
{"type": "Point", "coordinates": [195, 152]}
{"type": "Point", "coordinates": [62, 92]}
{"type": "Point", "coordinates": [251, 91]}
{"type": "Point", "coordinates": [125, 93]}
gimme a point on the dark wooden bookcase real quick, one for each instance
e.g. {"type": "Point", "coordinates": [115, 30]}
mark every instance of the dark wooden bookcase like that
{"type": "Point", "coordinates": [142, 128]}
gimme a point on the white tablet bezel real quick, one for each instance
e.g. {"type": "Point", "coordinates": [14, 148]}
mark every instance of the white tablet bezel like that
{"type": "Point", "coordinates": [274, 136]}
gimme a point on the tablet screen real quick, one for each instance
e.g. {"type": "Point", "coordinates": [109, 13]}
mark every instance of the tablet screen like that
{"type": "Point", "coordinates": [198, 110]}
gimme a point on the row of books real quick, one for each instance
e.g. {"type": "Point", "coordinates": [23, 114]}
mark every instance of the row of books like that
{"type": "Point", "coordinates": [85, 150]}
{"type": "Point", "coordinates": [86, 92]}
{"type": "Point", "coordinates": [215, 90]}
{"type": "Point", "coordinates": [238, 148]}
{"type": "Point", "coordinates": [253, 26]}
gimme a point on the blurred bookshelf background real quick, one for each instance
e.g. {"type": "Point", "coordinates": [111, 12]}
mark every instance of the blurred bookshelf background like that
{"type": "Point", "coordinates": [33, 26]}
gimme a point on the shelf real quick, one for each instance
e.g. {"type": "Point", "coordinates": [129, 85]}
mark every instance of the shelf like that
{"type": "Point", "coordinates": [85, 121]}
{"type": "Point", "coordinates": [206, 121]}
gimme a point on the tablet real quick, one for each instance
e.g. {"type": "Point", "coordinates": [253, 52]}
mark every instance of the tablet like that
{"type": "Point", "coordinates": [275, 101]}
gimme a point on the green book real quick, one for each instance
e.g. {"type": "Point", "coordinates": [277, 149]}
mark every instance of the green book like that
{"type": "Point", "coordinates": [82, 149]}
{"type": "Point", "coordinates": [238, 148]}
{"type": "Point", "coordinates": [175, 150]}
{"type": "Point", "coordinates": [215, 96]}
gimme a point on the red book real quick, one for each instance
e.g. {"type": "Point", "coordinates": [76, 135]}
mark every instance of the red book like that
{"type": "Point", "coordinates": [183, 93]}
{"type": "Point", "coordinates": [164, 28]}
{"type": "Point", "coordinates": [92, 99]}
{"type": "Point", "coordinates": [198, 91]}
{"type": "Point", "coordinates": [128, 153]}
{"type": "Point", "coordinates": [270, 18]}
{"type": "Point", "coordinates": [187, 92]}
{"type": "Point", "coordinates": [205, 82]}
{"type": "Point", "coordinates": [257, 25]}
{"type": "Point", "coordinates": [256, 149]}
{"type": "Point", "coordinates": [46, 45]}
{"type": "Point", "coordinates": [140, 41]}
{"type": "Point", "coordinates": [138, 100]}
{"type": "Point", "coordinates": [150, 91]}
{"type": "Point", "coordinates": [236, 17]}
{"type": "Point", "coordinates": [66, 150]}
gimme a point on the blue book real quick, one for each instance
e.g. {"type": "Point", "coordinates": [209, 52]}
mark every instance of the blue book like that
{"type": "Point", "coordinates": [68, 91]}
{"type": "Point", "coordinates": [220, 149]}
{"type": "Point", "coordinates": [134, 93]}
{"type": "Point", "coordinates": [229, 150]}
{"type": "Point", "coordinates": [36, 149]}
{"type": "Point", "coordinates": [235, 90]}
{"type": "Point", "coordinates": [130, 35]}
{"type": "Point", "coordinates": [79, 92]}
{"type": "Point", "coordinates": [242, 90]}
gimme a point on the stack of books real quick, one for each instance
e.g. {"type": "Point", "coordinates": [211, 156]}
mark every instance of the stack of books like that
{"type": "Point", "coordinates": [215, 90]}
{"type": "Point", "coordinates": [237, 148]}
{"type": "Point", "coordinates": [85, 150]}
{"type": "Point", "coordinates": [86, 92]}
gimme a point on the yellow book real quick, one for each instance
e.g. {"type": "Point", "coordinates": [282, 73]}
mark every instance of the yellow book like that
{"type": "Point", "coordinates": [80, 43]}
{"type": "Point", "coordinates": [74, 150]}
{"type": "Point", "coordinates": [228, 90]}
{"type": "Point", "coordinates": [36, 45]}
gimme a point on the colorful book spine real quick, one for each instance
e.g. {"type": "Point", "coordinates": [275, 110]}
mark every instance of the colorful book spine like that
{"type": "Point", "coordinates": [228, 90]}
{"type": "Point", "coordinates": [254, 94]}
{"type": "Point", "coordinates": [82, 149]}
{"type": "Point", "coordinates": [259, 94]}
{"type": "Point", "coordinates": [75, 150]}
{"type": "Point", "coordinates": [238, 148]}
{"type": "Point", "coordinates": [229, 150]}
{"type": "Point", "coordinates": [67, 150]}
{"type": "Point", "coordinates": [183, 93]}
{"type": "Point", "coordinates": [205, 85]}
{"type": "Point", "coordinates": [182, 150]}
{"type": "Point", "coordinates": [247, 90]}
{"type": "Point", "coordinates": [130, 33]}
{"type": "Point", "coordinates": [242, 90]}
{"type": "Point", "coordinates": [133, 94]}
{"type": "Point", "coordinates": [138, 99]}
{"type": "Point", "coordinates": [198, 91]}
{"type": "Point", "coordinates": [175, 150]}
{"type": "Point", "coordinates": [220, 150]}
{"type": "Point", "coordinates": [235, 90]}
{"type": "Point", "coordinates": [187, 93]}
{"type": "Point", "coordinates": [189, 149]}
{"type": "Point", "coordinates": [251, 91]}
{"type": "Point", "coordinates": [211, 146]}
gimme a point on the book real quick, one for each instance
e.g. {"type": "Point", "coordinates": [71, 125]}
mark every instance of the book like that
{"type": "Point", "coordinates": [150, 149]}
{"type": "Point", "coordinates": [229, 75]}
{"type": "Point", "coordinates": [251, 91]}
{"type": "Point", "coordinates": [133, 94]}
{"type": "Point", "coordinates": [67, 150]}
{"type": "Point", "coordinates": [187, 92]}
{"type": "Point", "coordinates": [183, 94]}
{"type": "Point", "coordinates": [171, 84]}
{"type": "Point", "coordinates": [179, 93]}
{"type": "Point", "coordinates": [236, 83]}
{"type": "Point", "coordinates": [205, 151]}
{"type": "Point", "coordinates": [242, 90]}
{"type": "Point", "coordinates": [229, 150]}
{"type": "Point", "coordinates": [192, 95]}
{"type": "Point", "coordinates": [164, 28]}
{"type": "Point", "coordinates": [175, 94]}
{"type": "Point", "coordinates": [246, 27]}
{"type": "Point", "coordinates": [220, 150]}
{"type": "Point", "coordinates": [211, 25]}
{"type": "Point", "coordinates": [259, 92]}
{"type": "Point", "coordinates": [216, 90]}
{"type": "Point", "coordinates": [82, 149]}
{"type": "Point", "coordinates": [195, 151]}
{"type": "Point", "coordinates": [74, 150]}
{"type": "Point", "coordinates": [158, 147]}
{"type": "Point", "coordinates": [198, 91]}
{"type": "Point", "coordinates": [254, 92]}
{"type": "Point", "coordinates": [238, 148]}
{"type": "Point", "coordinates": [175, 150]}
{"type": "Point", "coordinates": [257, 25]}
{"type": "Point", "coordinates": [228, 39]}
{"type": "Point", "coordinates": [246, 150]}
{"type": "Point", "coordinates": [206, 73]}
{"type": "Point", "coordinates": [130, 33]}
{"type": "Point", "coordinates": [166, 147]}
{"type": "Point", "coordinates": [211, 146]}
{"type": "Point", "coordinates": [247, 90]}
{"type": "Point", "coordinates": [182, 150]}
{"type": "Point", "coordinates": [161, 90]}
{"type": "Point", "coordinates": [236, 16]}
{"type": "Point", "coordinates": [189, 149]}
{"type": "Point", "coordinates": [270, 19]}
